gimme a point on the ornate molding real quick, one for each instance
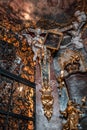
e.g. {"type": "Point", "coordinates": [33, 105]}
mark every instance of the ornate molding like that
{"type": "Point", "coordinates": [47, 101]}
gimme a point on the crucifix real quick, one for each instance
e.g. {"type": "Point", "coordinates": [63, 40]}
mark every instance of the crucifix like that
{"type": "Point", "coordinates": [43, 42]}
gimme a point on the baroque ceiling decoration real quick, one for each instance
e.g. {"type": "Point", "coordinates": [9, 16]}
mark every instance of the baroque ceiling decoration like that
{"type": "Point", "coordinates": [39, 13]}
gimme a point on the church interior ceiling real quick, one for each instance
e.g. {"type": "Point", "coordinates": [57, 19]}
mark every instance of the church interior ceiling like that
{"type": "Point", "coordinates": [24, 24]}
{"type": "Point", "coordinates": [39, 13]}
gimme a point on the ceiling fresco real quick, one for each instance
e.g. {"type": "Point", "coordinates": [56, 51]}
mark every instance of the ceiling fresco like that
{"type": "Point", "coordinates": [37, 11]}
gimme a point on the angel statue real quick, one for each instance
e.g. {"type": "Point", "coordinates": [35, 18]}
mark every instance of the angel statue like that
{"type": "Point", "coordinates": [76, 33]}
{"type": "Point", "coordinates": [72, 114]}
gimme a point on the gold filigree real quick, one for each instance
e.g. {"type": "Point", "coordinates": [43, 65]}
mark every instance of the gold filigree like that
{"type": "Point", "coordinates": [47, 101]}
{"type": "Point", "coordinates": [72, 65]}
{"type": "Point", "coordinates": [60, 80]}
{"type": "Point", "coordinates": [72, 59]}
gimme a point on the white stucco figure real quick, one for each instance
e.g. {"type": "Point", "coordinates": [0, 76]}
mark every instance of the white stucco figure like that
{"type": "Point", "coordinates": [77, 41]}
{"type": "Point", "coordinates": [37, 44]}
{"type": "Point", "coordinates": [80, 19]}
{"type": "Point", "coordinates": [81, 16]}
{"type": "Point", "coordinates": [76, 33]}
{"type": "Point", "coordinates": [29, 38]}
{"type": "Point", "coordinates": [75, 30]}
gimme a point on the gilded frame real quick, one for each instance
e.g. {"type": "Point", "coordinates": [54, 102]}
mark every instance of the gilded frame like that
{"type": "Point", "coordinates": [53, 36]}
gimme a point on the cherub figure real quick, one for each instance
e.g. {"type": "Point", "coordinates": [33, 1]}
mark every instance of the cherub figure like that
{"type": "Point", "coordinates": [72, 114]}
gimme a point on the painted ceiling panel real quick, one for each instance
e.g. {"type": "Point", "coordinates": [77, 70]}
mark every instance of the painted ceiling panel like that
{"type": "Point", "coordinates": [59, 11]}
